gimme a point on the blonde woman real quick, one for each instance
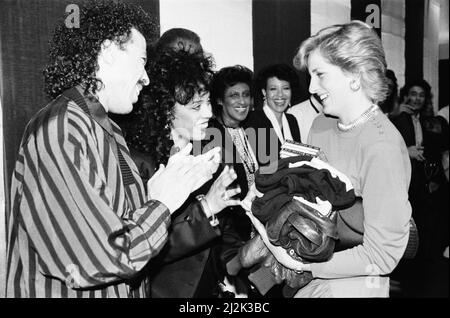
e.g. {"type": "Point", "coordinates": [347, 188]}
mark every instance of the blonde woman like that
{"type": "Point", "coordinates": [347, 67]}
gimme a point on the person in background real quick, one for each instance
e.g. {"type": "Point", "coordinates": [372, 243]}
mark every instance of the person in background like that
{"type": "Point", "coordinates": [271, 123]}
{"type": "Point", "coordinates": [80, 223]}
{"type": "Point", "coordinates": [415, 95]}
{"type": "Point", "coordinates": [231, 99]}
{"type": "Point", "coordinates": [410, 101]}
{"type": "Point", "coordinates": [423, 134]}
{"type": "Point", "coordinates": [347, 67]}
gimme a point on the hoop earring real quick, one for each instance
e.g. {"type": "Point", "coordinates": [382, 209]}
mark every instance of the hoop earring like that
{"type": "Point", "coordinates": [354, 86]}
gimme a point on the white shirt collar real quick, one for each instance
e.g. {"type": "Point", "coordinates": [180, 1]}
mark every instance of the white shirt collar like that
{"type": "Point", "coordinates": [286, 129]}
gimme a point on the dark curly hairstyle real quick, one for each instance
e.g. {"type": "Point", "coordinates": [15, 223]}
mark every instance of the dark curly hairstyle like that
{"type": "Point", "coordinates": [74, 51]}
{"type": "Point", "coordinates": [174, 77]}
{"type": "Point", "coordinates": [177, 39]}
{"type": "Point", "coordinates": [225, 78]}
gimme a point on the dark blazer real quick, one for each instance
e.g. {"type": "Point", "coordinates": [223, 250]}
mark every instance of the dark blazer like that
{"type": "Point", "coordinates": [405, 126]}
{"type": "Point", "coordinates": [218, 137]}
{"type": "Point", "coordinates": [234, 224]}
{"type": "Point", "coordinates": [181, 267]}
{"type": "Point", "coordinates": [177, 271]}
{"type": "Point", "coordinates": [262, 143]}
{"type": "Point", "coordinates": [434, 130]}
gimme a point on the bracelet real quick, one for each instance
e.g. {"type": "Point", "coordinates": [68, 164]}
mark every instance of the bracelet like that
{"type": "Point", "coordinates": [212, 218]}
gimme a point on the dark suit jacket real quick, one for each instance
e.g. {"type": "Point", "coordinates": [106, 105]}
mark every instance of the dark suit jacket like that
{"type": "Point", "coordinates": [177, 270]}
{"type": "Point", "coordinates": [234, 224]}
{"type": "Point", "coordinates": [218, 137]}
{"type": "Point", "coordinates": [264, 143]}
{"type": "Point", "coordinates": [405, 126]}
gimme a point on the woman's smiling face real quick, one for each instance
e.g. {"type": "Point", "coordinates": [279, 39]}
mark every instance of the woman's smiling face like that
{"type": "Point", "coordinates": [278, 94]}
{"type": "Point", "coordinates": [329, 83]}
{"type": "Point", "coordinates": [191, 120]}
{"type": "Point", "coordinates": [235, 104]}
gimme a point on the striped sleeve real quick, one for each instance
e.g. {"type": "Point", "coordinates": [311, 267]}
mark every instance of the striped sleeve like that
{"type": "Point", "coordinates": [74, 207]}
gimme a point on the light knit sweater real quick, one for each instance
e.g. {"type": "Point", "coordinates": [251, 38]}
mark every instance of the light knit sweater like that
{"type": "Point", "coordinates": [375, 158]}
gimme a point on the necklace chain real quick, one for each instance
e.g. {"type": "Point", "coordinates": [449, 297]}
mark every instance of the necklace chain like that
{"type": "Point", "coordinates": [242, 146]}
{"type": "Point", "coordinates": [365, 117]}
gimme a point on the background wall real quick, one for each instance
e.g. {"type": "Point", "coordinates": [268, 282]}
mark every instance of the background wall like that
{"type": "Point", "coordinates": [224, 26]}
{"type": "Point", "coordinates": [3, 202]}
{"type": "Point", "coordinates": [443, 53]}
{"type": "Point", "coordinates": [431, 47]}
{"type": "Point", "coordinates": [325, 13]}
{"type": "Point", "coordinates": [2, 207]}
{"type": "Point", "coordinates": [393, 36]}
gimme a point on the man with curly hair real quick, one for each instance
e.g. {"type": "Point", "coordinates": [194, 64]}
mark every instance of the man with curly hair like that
{"type": "Point", "coordinates": [81, 224]}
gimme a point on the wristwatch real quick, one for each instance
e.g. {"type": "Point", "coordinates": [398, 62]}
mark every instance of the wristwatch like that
{"type": "Point", "coordinates": [212, 218]}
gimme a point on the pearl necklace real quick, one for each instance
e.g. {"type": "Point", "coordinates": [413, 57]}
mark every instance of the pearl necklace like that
{"type": "Point", "coordinates": [365, 117]}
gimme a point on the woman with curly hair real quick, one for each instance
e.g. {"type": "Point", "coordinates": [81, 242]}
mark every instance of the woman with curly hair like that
{"type": "Point", "coordinates": [175, 110]}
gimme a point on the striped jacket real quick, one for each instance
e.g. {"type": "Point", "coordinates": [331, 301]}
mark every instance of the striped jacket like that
{"type": "Point", "coordinates": [79, 224]}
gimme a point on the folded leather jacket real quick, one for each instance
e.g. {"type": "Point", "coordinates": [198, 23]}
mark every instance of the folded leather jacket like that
{"type": "Point", "coordinates": [301, 229]}
{"type": "Point", "coordinates": [304, 232]}
{"type": "Point", "coordinates": [305, 181]}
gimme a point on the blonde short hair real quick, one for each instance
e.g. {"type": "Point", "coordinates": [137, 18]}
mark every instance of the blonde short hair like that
{"type": "Point", "coordinates": [355, 48]}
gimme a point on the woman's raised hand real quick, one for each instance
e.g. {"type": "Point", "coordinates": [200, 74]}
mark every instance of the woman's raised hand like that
{"type": "Point", "coordinates": [405, 107]}
{"type": "Point", "coordinates": [218, 197]}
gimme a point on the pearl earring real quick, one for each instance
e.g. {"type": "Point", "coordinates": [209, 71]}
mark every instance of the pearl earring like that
{"type": "Point", "coordinates": [354, 86]}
